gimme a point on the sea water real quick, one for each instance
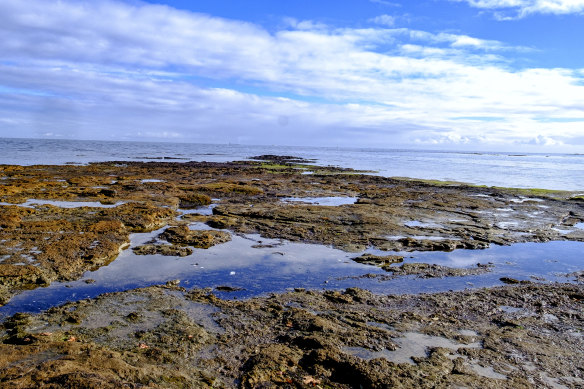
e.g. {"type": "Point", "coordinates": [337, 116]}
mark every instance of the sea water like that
{"type": "Point", "coordinates": [546, 171]}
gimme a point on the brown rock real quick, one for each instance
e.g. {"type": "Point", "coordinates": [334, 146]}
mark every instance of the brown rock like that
{"type": "Point", "coordinates": [196, 238]}
{"type": "Point", "coordinates": [163, 249]}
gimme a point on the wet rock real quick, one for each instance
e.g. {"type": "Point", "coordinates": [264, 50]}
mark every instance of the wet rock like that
{"type": "Point", "coordinates": [440, 245]}
{"type": "Point", "coordinates": [425, 270]}
{"type": "Point", "coordinates": [448, 217]}
{"type": "Point", "coordinates": [193, 200]}
{"type": "Point", "coordinates": [221, 222]}
{"type": "Point", "coordinates": [230, 189]}
{"type": "Point", "coordinates": [172, 283]}
{"type": "Point", "coordinates": [21, 275]}
{"type": "Point", "coordinates": [108, 192]}
{"type": "Point", "coordinates": [196, 238]}
{"type": "Point", "coordinates": [281, 158]}
{"type": "Point", "coordinates": [57, 248]}
{"type": "Point", "coordinates": [338, 297]}
{"type": "Point", "coordinates": [272, 365]}
{"type": "Point", "coordinates": [141, 217]}
{"type": "Point", "coordinates": [163, 249]}
{"type": "Point", "coordinates": [509, 280]}
{"type": "Point", "coordinates": [380, 261]}
{"type": "Point", "coordinates": [155, 336]}
{"type": "Point", "coordinates": [266, 246]}
{"type": "Point", "coordinates": [225, 288]}
{"type": "Point", "coordinates": [577, 276]}
{"type": "Point", "coordinates": [359, 295]}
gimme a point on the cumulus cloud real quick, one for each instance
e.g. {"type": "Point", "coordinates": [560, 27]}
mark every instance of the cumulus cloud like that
{"type": "Point", "coordinates": [544, 140]}
{"type": "Point", "coordinates": [111, 69]}
{"type": "Point", "coordinates": [522, 8]}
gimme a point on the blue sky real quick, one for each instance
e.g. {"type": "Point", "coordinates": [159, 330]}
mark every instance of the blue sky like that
{"type": "Point", "coordinates": [443, 74]}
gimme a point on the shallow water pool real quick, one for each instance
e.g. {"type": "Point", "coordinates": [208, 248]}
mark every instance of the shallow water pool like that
{"type": "Point", "coordinates": [30, 203]}
{"type": "Point", "coordinates": [326, 201]}
{"type": "Point", "coordinates": [256, 266]}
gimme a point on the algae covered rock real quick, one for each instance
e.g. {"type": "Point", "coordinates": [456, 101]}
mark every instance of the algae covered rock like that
{"type": "Point", "coordinates": [230, 188]}
{"type": "Point", "coordinates": [193, 200]}
{"type": "Point", "coordinates": [222, 222]}
{"type": "Point", "coordinates": [428, 270]}
{"type": "Point", "coordinates": [197, 238]}
{"type": "Point", "coordinates": [18, 275]}
{"type": "Point", "coordinates": [377, 260]}
{"type": "Point", "coordinates": [163, 249]}
{"type": "Point", "coordinates": [141, 217]}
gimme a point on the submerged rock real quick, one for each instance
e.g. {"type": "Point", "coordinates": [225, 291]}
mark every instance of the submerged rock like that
{"type": "Point", "coordinates": [226, 288]}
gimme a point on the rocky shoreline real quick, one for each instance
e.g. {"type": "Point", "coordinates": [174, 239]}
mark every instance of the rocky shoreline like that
{"type": "Point", "coordinates": [527, 335]}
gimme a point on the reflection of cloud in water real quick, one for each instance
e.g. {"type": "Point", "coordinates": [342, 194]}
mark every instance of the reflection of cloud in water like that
{"type": "Point", "coordinates": [203, 210]}
{"type": "Point", "coordinates": [467, 259]}
{"type": "Point", "coordinates": [65, 204]}
{"type": "Point", "coordinates": [417, 223]}
{"type": "Point", "coordinates": [328, 201]}
{"type": "Point", "coordinates": [411, 344]}
{"type": "Point", "coordinates": [287, 265]}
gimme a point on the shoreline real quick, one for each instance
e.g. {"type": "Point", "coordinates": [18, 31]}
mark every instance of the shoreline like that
{"type": "Point", "coordinates": [549, 171]}
{"type": "Point", "coordinates": [303, 338]}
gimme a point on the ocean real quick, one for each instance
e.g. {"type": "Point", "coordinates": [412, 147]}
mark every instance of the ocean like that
{"type": "Point", "coordinates": [517, 170]}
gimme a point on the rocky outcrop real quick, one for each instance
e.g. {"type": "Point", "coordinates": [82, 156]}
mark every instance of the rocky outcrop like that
{"type": "Point", "coordinates": [202, 239]}
{"type": "Point", "coordinates": [163, 249]}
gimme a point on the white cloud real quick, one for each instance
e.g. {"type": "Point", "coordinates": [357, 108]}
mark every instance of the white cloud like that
{"type": "Point", "coordinates": [522, 8]}
{"type": "Point", "coordinates": [305, 24]}
{"type": "Point", "coordinates": [384, 20]}
{"type": "Point", "coordinates": [110, 69]}
{"type": "Point", "coordinates": [386, 3]}
{"type": "Point", "coordinates": [544, 140]}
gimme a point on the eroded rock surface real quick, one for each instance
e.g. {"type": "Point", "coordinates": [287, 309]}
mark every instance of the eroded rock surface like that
{"type": "Point", "coordinates": [509, 337]}
{"type": "Point", "coordinates": [202, 239]}
{"type": "Point", "coordinates": [518, 336]}
{"type": "Point", "coordinates": [426, 270]}
{"type": "Point", "coordinates": [163, 249]}
{"type": "Point", "coordinates": [382, 261]}
{"type": "Point", "coordinates": [48, 243]}
{"type": "Point", "coordinates": [43, 243]}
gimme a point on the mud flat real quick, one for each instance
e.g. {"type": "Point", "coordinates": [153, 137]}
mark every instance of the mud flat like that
{"type": "Point", "coordinates": [58, 222]}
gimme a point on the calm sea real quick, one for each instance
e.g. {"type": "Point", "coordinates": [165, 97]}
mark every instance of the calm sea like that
{"type": "Point", "coordinates": [547, 171]}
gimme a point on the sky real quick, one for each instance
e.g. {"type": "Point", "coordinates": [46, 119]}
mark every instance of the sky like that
{"type": "Point", "coordinates": [430, 74]}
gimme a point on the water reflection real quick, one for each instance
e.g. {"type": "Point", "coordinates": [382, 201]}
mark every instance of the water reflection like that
{"type": "Point", "coordinates": [259, 266]}
{"type": "Point", "coordinates": [328, 201]}
{"type": "Point", "coordinates": [31, 203]}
